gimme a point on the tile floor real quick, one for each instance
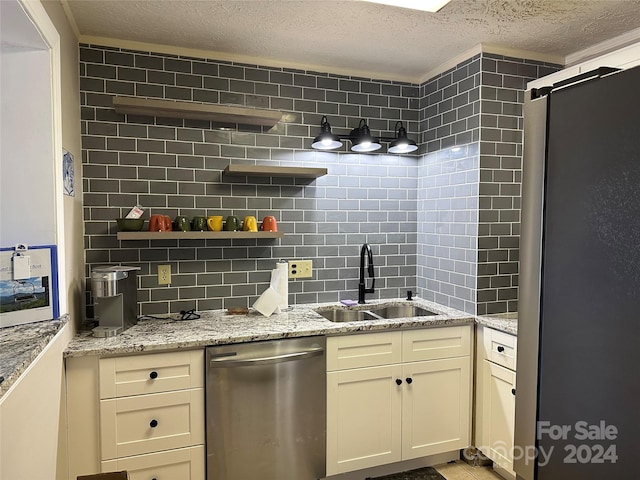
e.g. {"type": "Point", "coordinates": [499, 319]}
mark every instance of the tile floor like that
{"type": "Point", "coordinates": [463, 471]}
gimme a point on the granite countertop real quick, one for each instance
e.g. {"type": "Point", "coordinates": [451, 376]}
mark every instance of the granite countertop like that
{"type": "Point", "coordinates": [217, 327]}
{"type": "Point", "coordinates": [21, 344]}
{"type": "Point", "coordinates": [505, 322]}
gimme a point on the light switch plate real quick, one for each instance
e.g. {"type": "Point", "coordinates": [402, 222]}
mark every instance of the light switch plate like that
{"type": "Point", "coordinates": [300, 269]}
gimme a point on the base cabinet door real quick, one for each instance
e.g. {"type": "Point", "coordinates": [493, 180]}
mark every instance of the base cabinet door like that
{"type": "Point", "coordinates": [363, 418]}
{"type": "Point", "coordinates": [498, 414]}
{"type": "Point", "coordinates": [436, 406]}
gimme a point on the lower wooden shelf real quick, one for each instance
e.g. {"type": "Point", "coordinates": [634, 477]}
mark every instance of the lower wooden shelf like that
{"type": "Point", "coordinates": [274, 171]}
{"type": "Point", "coordinates": [196, 235]}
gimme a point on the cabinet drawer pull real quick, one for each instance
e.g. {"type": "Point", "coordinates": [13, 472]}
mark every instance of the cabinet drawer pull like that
{"type": "Point", "coordinates": [409, 380]}
{"type": "Point", "coordinates": [153, 423]}
{"type": "Point", "coordinates": [513, 391]}
{"type": "Point", "coordinates": [153, 375]}
{"type": "Point", "coordinates": [398, 381]}
{"type": "Point", "coordinates": [500, 348]}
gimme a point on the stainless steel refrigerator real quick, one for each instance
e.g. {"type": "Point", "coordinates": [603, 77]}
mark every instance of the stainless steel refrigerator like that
{"type": "Point", "coordinates": [578, 376]}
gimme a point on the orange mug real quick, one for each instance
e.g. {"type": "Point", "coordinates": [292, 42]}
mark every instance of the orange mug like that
{"type": "Point", "coordinates": [269, 224]}
{"type": "Point", "coordinates": [160, 223]}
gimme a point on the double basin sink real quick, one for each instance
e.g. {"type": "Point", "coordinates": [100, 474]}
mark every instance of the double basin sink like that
{"type": "Point", "coordinates": [376, 312]}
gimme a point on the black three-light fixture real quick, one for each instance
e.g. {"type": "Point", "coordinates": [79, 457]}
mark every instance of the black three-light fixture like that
{"type": "Point", "coordinates": [361, 139]}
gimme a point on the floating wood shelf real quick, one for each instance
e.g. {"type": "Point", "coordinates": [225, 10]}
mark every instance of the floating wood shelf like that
{"type": "Point", "coordinates": [145, 235]}
{"type": "Point", "coordinates": [196, 111]}
{"type": "Point", "coordinates": [262, 170]}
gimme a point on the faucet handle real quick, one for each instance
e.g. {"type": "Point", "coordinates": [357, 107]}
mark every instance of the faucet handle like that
{"type": "Point", "coordinates": [409, 295]}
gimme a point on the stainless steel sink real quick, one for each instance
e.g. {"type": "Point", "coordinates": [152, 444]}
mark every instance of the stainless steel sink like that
{"type": "Point", "coordinates": [376, 312]}
{"type": "Point", "coordinates": [402, 311]}
{"type": "Point", "coordinates": [340, 315]}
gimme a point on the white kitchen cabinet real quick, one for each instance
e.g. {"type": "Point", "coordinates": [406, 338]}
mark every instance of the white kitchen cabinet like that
{"type": "Point", "coordinates": [364, 421]}
{"type": "Point", "coordinates": [495, 404]}
{"type": "Point", "coordinates": [142, 413]}
{"type": "Point", "coordinates": [396, 396]}
{"type": "Point", "coordinates": [436, 407]}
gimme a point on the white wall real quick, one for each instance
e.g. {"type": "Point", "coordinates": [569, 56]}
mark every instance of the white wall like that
{"type": "Point", "coordinates": [33, 436]}
{"type": "Point", "coordinates": [71, 141]}
{"type": "Point", "coordinates": [30, 414]}
{"type": "Point", "coordinates": [27, 210]}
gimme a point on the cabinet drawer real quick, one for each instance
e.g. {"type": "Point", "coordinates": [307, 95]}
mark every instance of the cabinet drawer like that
{"type": "Point", "coordinates": [363, 350]}
{"type": "Point", "coordinates": [150, 423]}
{"type": "Point", "coordinates": [435, 343]}
{"type": "Point", "coordinates": [500, 348]}
{"type": "Point", "coordinates": [153, 373]}
{"type": "Point", "coordinates": [183, 464]}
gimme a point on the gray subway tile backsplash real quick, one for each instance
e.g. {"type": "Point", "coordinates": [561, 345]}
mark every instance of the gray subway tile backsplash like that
{"type": "Point", "coordinates": [424, 215]}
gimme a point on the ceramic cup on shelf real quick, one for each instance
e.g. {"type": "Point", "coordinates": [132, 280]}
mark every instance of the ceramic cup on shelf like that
{"type": "Point", "coordinates": [250, 224]}
{"type": "Point", "coordinates": [214, 222]}
{"type": "Point", "coordinates": [159, 223]}
{"type": "Point", "coordinates": [182, 223]}
{"type": "Point", "coordinates": [269, 224]}
{"type": "Point", "coordinates": [232, 224]}
{"type": "Point", "coordinates": [199, 224]}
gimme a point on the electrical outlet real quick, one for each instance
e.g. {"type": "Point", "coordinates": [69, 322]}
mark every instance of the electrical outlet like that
{"type": "Point", "coordinates": [164, 274]}
{"type": "Point", "coordinates": [301, 269]}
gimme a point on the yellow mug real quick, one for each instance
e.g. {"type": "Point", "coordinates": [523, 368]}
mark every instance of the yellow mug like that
{"type": "Point", "coordinates": [215, 223]}
{"type": "Point", "coordinates": [250, 224]}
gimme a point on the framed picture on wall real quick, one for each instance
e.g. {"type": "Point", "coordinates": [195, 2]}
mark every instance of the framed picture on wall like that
{"type": "Point", "coordinates": [67, 173]}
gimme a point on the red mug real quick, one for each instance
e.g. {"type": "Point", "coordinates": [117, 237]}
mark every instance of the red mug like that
{"type": "Point", "coordinates": [160, 223]}
{"type": "Point", "coordinates": [269, 224]}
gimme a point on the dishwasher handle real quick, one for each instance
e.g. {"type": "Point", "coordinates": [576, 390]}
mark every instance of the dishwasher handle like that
{"type": "Point", "coordinates": [287, 357]}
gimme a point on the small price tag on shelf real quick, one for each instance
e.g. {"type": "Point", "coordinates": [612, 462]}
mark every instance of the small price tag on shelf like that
{"type": "Point", "coordinates": [135, 212]}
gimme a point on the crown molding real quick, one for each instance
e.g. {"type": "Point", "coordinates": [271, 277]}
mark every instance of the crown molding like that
{"type": "Point", "coordinates": [71, 18]}
{"type": "Point", "coordinates": [526, 54]}
{"type": "Point", "coordinates": [244, 59]}
{"type": "Point", "coordinates": [493, 49]}
{"type": "Point", "coordinates": [602, 48]}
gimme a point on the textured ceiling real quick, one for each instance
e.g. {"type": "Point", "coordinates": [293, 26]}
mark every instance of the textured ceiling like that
{"type": "Point", "coordinates": [361, 38]}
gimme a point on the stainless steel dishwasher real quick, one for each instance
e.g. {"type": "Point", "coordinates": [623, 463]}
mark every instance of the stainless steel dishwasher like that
{"type": "Point", "coordinates": [266, 410]}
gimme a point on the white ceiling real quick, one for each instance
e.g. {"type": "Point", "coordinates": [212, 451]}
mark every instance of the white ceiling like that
{"type": "Point", "coordinates": [354, 37]}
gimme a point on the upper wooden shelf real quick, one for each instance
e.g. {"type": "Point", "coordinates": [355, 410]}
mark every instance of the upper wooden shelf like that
{"type": "Point", "coordinates": [196, 111]}
{"type": "Point", "coordinates": [263, 170]}
{"type": "Point", "coordinates": [179, 235]}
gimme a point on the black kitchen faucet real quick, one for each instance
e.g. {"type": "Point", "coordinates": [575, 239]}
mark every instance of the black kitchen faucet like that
{"type": "Point", "coordinates": [361, 285]}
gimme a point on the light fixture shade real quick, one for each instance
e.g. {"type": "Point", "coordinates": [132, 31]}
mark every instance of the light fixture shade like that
{"type": "Point", "coordinates": [361, 139]}
{"type": "Point", "coordinates": [402, 144]}
{"type": "Point", "coordinates": [326, 140]}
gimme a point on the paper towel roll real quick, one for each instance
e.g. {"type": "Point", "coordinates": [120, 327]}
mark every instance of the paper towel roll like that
{"type": "Point", "coordinates": [267, 303]}
{"type": "Point", "coordinates": [280, 283]}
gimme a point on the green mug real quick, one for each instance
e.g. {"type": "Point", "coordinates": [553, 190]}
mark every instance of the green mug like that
{"type": "Point", "coordinates": [232, 224]}
{"type": "Point", "coordinates": [199, 224]}
{"type": "Point", "coordinates": [182, 223]}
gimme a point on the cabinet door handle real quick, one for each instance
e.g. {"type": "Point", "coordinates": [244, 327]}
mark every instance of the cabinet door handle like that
{"type": "Point", "coordinates": [398, 381]}
{"type": "Point", "coordinates": [500, 348]}
{"type": "Point", "coordinates": [513, 391]}
{"type": "Point", "coordinates": [409, 380]}
{"type": "Point", "coordinates": [153, 423]}
{"type": "Point", "coordinates": [153, 375]}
